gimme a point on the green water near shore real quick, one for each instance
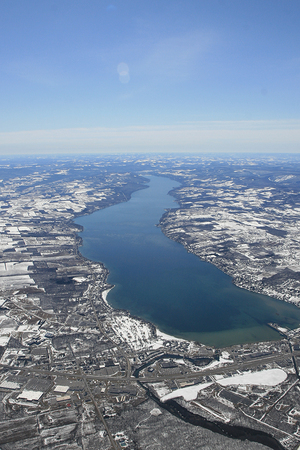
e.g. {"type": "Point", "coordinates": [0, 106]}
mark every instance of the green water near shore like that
{"type": "Point", "coordinates": [158, 280]}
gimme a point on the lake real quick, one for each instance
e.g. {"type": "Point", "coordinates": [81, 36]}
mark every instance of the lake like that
{"type": "Point", "coordinates": [158, 280]}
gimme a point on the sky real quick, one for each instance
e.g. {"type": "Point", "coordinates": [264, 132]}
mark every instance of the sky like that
{"type": "Point", "coordinates": [149, 76]}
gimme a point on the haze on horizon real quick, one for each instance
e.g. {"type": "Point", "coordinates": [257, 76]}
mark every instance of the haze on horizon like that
{"type": "Point", "coordinates": [131, 76]}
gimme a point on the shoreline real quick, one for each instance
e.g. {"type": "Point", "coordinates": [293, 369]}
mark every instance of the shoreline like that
{"type": "Point", "coordinates": [160, 335]}
{"type": "Point", "coordinates": [110, 344]}
{"type": "Point", "coordinates": [105, 292]}
{"type": "Point", "coordinates": [104, 295]}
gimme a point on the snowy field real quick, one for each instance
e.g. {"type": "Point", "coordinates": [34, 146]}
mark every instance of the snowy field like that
{"type": "Point", "coordinates": [268, 377]}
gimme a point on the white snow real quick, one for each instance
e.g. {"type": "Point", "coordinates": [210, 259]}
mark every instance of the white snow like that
{"type": "Point", "coordinates": [161, 389]}
{"type": "Point", "coordinates": [7, 326]}
{"type": "Point", "coordinates": [167, 337]}
{"type": "Point", "coordinates": [283, 178]}
{"type": "Point", "coordinates": [268, 377]}
{"type": "Point", "coordinates": [14, 268]}
{"type": "Point", "coordinates": [104, 295]}
{"type": "Point", "coordinates": [9, 385]}
{"type": "Point", "coordinates": [155, 412]}
{"type": "Point", "coordinates": [28, 328]}
{"type": "Point", "coordinates": [63, 389]}
{"type": "Point", "coordinates": [79, 279]}
{"type": "Point", "coordinates": [188, 393]}
{"type": "Point", "coordinates": [136, 333]}
{"type": "Point", "coordinates": [222, 360]}
{"type": "Point", "coordinates": [283, 330]}
{"type": "Point", "coordinates": [30, 395]}
{"type": "Point", "coordinates": [4, 340]}
{"type": "Point", "coordinates": [16, 281]}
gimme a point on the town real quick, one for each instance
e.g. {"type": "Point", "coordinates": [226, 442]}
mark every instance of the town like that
{"type": "Point", "coordinates": [76, 373]}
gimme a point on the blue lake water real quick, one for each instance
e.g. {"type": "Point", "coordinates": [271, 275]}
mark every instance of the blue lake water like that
{"type": "Point", "coordinates": [158, 280]}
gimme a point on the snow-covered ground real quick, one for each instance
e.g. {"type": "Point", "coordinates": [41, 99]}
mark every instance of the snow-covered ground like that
{"type": "Point", "coordinates": [161, 389]}
{"type": "Point", "coordinates": [139, 334]}
{"type": "Point", "coordinates": [167, 337]}
{"type": "Point", "coordinates": [104, 295]}
{"type": "Point", "coordinates": [257, 226]}
{"type": "Point", "coordinates": [188, 393]}
{"type": "Point", "coordinates": [7, 326]}
{"type": "Point", "coordinates": [134, 332]}
{"type": "Point", "coordinates": [223, 360]}
{"type": "Point", "coordinates": [268, 377]}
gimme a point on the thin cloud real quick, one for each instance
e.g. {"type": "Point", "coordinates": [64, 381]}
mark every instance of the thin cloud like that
{"type": "Point", "coordinates": [217, 136]}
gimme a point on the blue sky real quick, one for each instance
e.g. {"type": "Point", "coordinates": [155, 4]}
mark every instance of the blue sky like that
{"type": "Point", "coordinates": [168, 75]}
